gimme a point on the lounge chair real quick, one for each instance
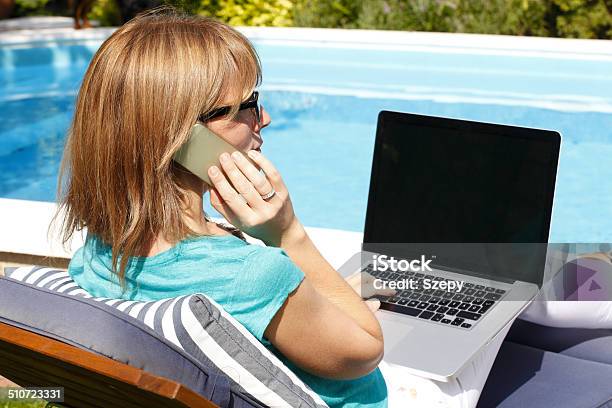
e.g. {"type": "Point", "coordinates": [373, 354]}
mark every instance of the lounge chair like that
{"type": "Point", "coordinates": [183, 351]}
{"type": "Point", "coordinates": [110, 352]}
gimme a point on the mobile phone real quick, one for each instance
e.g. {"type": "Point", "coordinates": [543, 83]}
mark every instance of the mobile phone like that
{"type": "Point", "coordinates": [202, 151]}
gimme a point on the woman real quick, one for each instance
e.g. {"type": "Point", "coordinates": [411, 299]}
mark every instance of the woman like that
{"type": "Point", "coordinates": [148, 237]}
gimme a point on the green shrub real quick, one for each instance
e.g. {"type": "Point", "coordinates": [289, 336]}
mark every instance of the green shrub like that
{"type": "Point", "coordinates": [558, 18]}
{"type": "Point", "coordinates": [202, 7]}
{"type": "Point", "coordinates": [276, 13]}
{"type": "Point", "coordinates": [420, 15]}
{"type": "Point", "coordinates": [326, 13]}
{"type": "Point", "coordinates": [563, 18]}
{"type": "Point", "coordinates": [583, 18]}
{"type": "Point", "coordinates": [512, 17]}
{"type": "Point", "coordinates": [30, 8]}
{"type": "Point", "coordinates": [106, 12]}
{"type": "Point", "coordinates": [522, 17]}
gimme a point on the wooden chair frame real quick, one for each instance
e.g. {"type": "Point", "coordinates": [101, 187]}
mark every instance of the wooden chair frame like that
{"type": "Point", "coordinates": [89, 379]}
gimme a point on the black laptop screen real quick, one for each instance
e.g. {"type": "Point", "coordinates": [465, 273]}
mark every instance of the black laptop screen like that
{"type": "Point", "coordinates": [437, 180]}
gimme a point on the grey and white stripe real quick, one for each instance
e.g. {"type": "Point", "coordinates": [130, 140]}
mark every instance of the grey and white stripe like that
{"type": "Point", "coordinates": [225, 362]}
{"type": "Point", "coordinates": [167, 323]}
{"type": "Point", "coordinates": [37, 274]}
{"type": "Point", "coordinates": [250, 353]}
{"type": "Point", "coordinates": [59, 283]}
{"type": "Point", "coordinates": [79, 291]}
{"type": "Point", "coordinates": [50, 278]}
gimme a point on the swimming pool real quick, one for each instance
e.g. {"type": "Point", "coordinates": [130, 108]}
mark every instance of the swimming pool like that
{"type": "Point", "coordinates": [324, 98]}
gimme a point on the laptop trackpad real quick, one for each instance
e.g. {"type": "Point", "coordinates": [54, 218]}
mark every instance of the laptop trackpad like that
{"type": "Point", "coordinates": [395, 331]}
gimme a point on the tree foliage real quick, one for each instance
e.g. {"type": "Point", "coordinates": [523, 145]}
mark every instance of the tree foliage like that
{"type": "Point", "coordinates": [30, 8]}
{"type": "Point", "coordinates": [583, 18]}
{"type": "Point", "coordinates": [555, 18]}
{"type": "Point", "coordinates": [276, 13]}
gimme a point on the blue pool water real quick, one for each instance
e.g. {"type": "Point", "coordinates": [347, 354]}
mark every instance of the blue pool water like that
{"type": "Point", "coordinates": [324, 103]}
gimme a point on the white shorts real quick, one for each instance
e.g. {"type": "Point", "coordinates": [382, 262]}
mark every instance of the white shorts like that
{"type": "Point", "coordinates": [409, 390]}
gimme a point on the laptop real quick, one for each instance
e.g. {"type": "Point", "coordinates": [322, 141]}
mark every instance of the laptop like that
{"type": "Point", "coordinates": [466, 208]}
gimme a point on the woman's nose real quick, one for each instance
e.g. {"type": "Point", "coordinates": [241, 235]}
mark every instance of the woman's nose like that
{"type": "Point", "coordinates": [265, 117]}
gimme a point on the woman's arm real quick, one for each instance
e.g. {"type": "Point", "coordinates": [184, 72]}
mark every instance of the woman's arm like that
{"type": "Point", "coordinates": [325, 279]}
{"type": "Point", "coordinates": [320, 338]}
{"type": "Point", "coordinates": [347, 340]}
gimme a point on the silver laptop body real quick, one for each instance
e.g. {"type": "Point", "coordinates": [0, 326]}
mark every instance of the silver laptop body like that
{"type": "Point", "coordinates": [417, 336]}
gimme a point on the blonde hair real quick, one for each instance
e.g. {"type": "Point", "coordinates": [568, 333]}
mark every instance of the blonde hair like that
{"type": "Point", "coordinates": [143, 91]}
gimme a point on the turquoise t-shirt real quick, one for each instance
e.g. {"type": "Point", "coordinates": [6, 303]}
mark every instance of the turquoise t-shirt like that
{"type": "Point", "coordinates": [250, 282]}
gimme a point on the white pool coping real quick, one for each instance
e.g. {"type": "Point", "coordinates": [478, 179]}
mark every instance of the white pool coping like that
{"type": "Point", "coordinates": [24, 225]}
{"type": "Point", "coordinates": [477, 44]}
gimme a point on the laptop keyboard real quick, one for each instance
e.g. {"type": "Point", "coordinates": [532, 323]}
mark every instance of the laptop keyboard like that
{"type": "Point", "coordinates": [459, 309]}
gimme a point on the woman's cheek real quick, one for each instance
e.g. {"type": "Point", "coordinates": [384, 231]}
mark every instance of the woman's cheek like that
{"type": "Point", "coordinates": [244, 142]}
{"type": "Point", "coordinates": [239, 141]}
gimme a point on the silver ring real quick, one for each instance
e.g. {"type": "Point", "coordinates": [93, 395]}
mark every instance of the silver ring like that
{"type": "Point", "coordinates": [269, 195]}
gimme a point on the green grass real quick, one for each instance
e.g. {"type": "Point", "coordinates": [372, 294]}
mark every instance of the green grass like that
{"type": "Point", "coordinates": [22, 404]}
{"type": "Point", "coordinates": [6, 403]}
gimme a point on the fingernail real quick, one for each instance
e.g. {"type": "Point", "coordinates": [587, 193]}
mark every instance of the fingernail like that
{"type": "Point", "coordinates": [213, 171]}
{"type": "Point", "coordinates": [225, 157]}
{"type": "Point", "coordinates": [237, 156]}
{"type": "Point", "coordinates": [253, 154]}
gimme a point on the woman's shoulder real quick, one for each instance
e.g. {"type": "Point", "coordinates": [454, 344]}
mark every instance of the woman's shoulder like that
{"type": "Point", "coordinates": [262, 255]}
{"type": "Point", "coordinates": [247, 271]}
{"type": "Point", "coordinates": [230, 247]}
{"type": "Point", "coordinates": [272, 266]}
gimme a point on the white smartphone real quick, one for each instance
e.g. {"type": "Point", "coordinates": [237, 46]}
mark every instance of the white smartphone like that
{"type": "Point", "coordinates": [202, 151]}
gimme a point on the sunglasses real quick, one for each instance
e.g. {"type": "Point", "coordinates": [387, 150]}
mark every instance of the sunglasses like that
{"type": "Point", "coordinates": [250, 103]}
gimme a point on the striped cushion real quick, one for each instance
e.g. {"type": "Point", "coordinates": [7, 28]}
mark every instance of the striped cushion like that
{"type": "Point", "coordinates": [200, 327]}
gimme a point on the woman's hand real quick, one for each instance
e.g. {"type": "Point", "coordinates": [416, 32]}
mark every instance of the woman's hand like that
{"type": "Point", "coordinates": [237, 195]}
{"type": "Point", "coordinates": [363, 284]}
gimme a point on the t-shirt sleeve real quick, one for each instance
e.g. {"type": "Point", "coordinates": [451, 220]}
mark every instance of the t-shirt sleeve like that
{"type": "Point", "coordinates": [269, 276]}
